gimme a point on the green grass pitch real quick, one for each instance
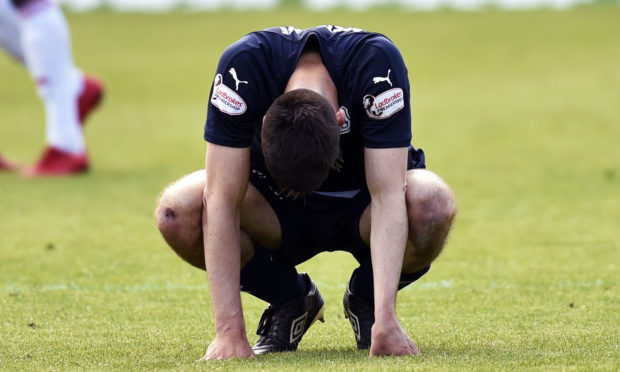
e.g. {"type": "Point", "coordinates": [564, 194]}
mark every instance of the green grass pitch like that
{"type": "Point", "coordinates": [518, 112]}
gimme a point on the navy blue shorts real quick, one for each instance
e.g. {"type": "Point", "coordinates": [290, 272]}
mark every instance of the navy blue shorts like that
{"type": "Point", "coordinates": [317, 223]}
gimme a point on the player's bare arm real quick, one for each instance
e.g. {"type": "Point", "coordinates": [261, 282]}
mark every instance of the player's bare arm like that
{"type": "Point", "coordinates": [225, 190]}
{"type": "Point", "coordinates": [386, 171]}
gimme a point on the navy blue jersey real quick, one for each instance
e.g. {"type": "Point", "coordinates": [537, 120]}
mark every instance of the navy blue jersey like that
{"type": "Point", "coordinates": [367, 69]}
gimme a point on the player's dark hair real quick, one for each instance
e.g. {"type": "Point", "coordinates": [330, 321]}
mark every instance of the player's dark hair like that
{"type": "Point", "coordinates": [300, 140]}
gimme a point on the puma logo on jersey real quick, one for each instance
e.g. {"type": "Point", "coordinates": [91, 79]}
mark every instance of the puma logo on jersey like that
{"type": "Point", "coordinates": [379, 79]}
{"type": "Point", "coordinates": [237, 81]}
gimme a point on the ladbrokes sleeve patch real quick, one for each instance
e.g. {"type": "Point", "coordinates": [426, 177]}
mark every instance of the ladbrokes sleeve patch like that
{"type": "Point", "coordinates": [385, 104]}
{"type": "Point", "coordinates": [226, 99]}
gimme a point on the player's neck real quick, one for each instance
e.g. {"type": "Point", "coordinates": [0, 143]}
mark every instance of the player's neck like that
{"type": "Point", "coordinates": [311, 73]}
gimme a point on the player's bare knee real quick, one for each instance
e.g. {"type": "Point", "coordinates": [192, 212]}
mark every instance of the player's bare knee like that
{"type": "Point", "coordinates": [434, 209]}
{"type": "Point", "coordinates": [167, 215]}
{"type": "Point", "coordinates": [432, 213]}
{"type": "Point", "coordinates": [431, 208]}
{"type": "Point", "coordinates": [430, 202]}
{"type": "Point", "coordinates": [167, 222]}
{"type": "Point", "coordinates": [181, 202]}
{"type": "Point", "coordinates": [183, 234]}
{"type": "Point", "coordinates": [179, 217]}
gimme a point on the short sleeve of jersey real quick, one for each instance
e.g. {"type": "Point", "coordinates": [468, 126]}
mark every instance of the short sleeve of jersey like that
{"type": "Point", "coordinates": [231, 113]}
{"type": "Point", "coordinates": [383, 92]}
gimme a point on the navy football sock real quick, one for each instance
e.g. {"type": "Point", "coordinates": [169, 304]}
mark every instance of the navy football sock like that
{"type": "Point", "coordinates": [406, 279]}
{"type": "Point", "coordinates": [271, 280]}
{"type": "Point", "coordinates": [361, 283]}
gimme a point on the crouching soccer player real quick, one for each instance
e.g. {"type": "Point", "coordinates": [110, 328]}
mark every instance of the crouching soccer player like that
{"type": "Point", "coordinates": [309, 151]}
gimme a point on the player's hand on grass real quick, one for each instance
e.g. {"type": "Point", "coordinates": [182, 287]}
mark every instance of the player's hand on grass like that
{"type": "Point", "coordinates": [224, 347]}
{"type": "Point", "coordinates": [389, 338]}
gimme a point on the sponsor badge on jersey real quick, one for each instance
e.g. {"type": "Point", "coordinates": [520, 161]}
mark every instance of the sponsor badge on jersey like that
{"type": "Point", "coordinates": [385, 104]}
{"type": "Point", "coordinates": [226, 99]}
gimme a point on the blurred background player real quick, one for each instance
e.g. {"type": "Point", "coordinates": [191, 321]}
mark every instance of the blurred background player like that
{"type": "Point", "coordinates": [36, 33]}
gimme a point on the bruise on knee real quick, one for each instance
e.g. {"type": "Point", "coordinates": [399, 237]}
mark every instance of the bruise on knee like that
{"type": "Point", "coordinates": [169, 213]}
{"type": "Point", "coordinates": [179, 217]}
{"type": "Point", "coordinates": [166, 220]}
{"type": "Point", "coordinates": [182, 232]}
